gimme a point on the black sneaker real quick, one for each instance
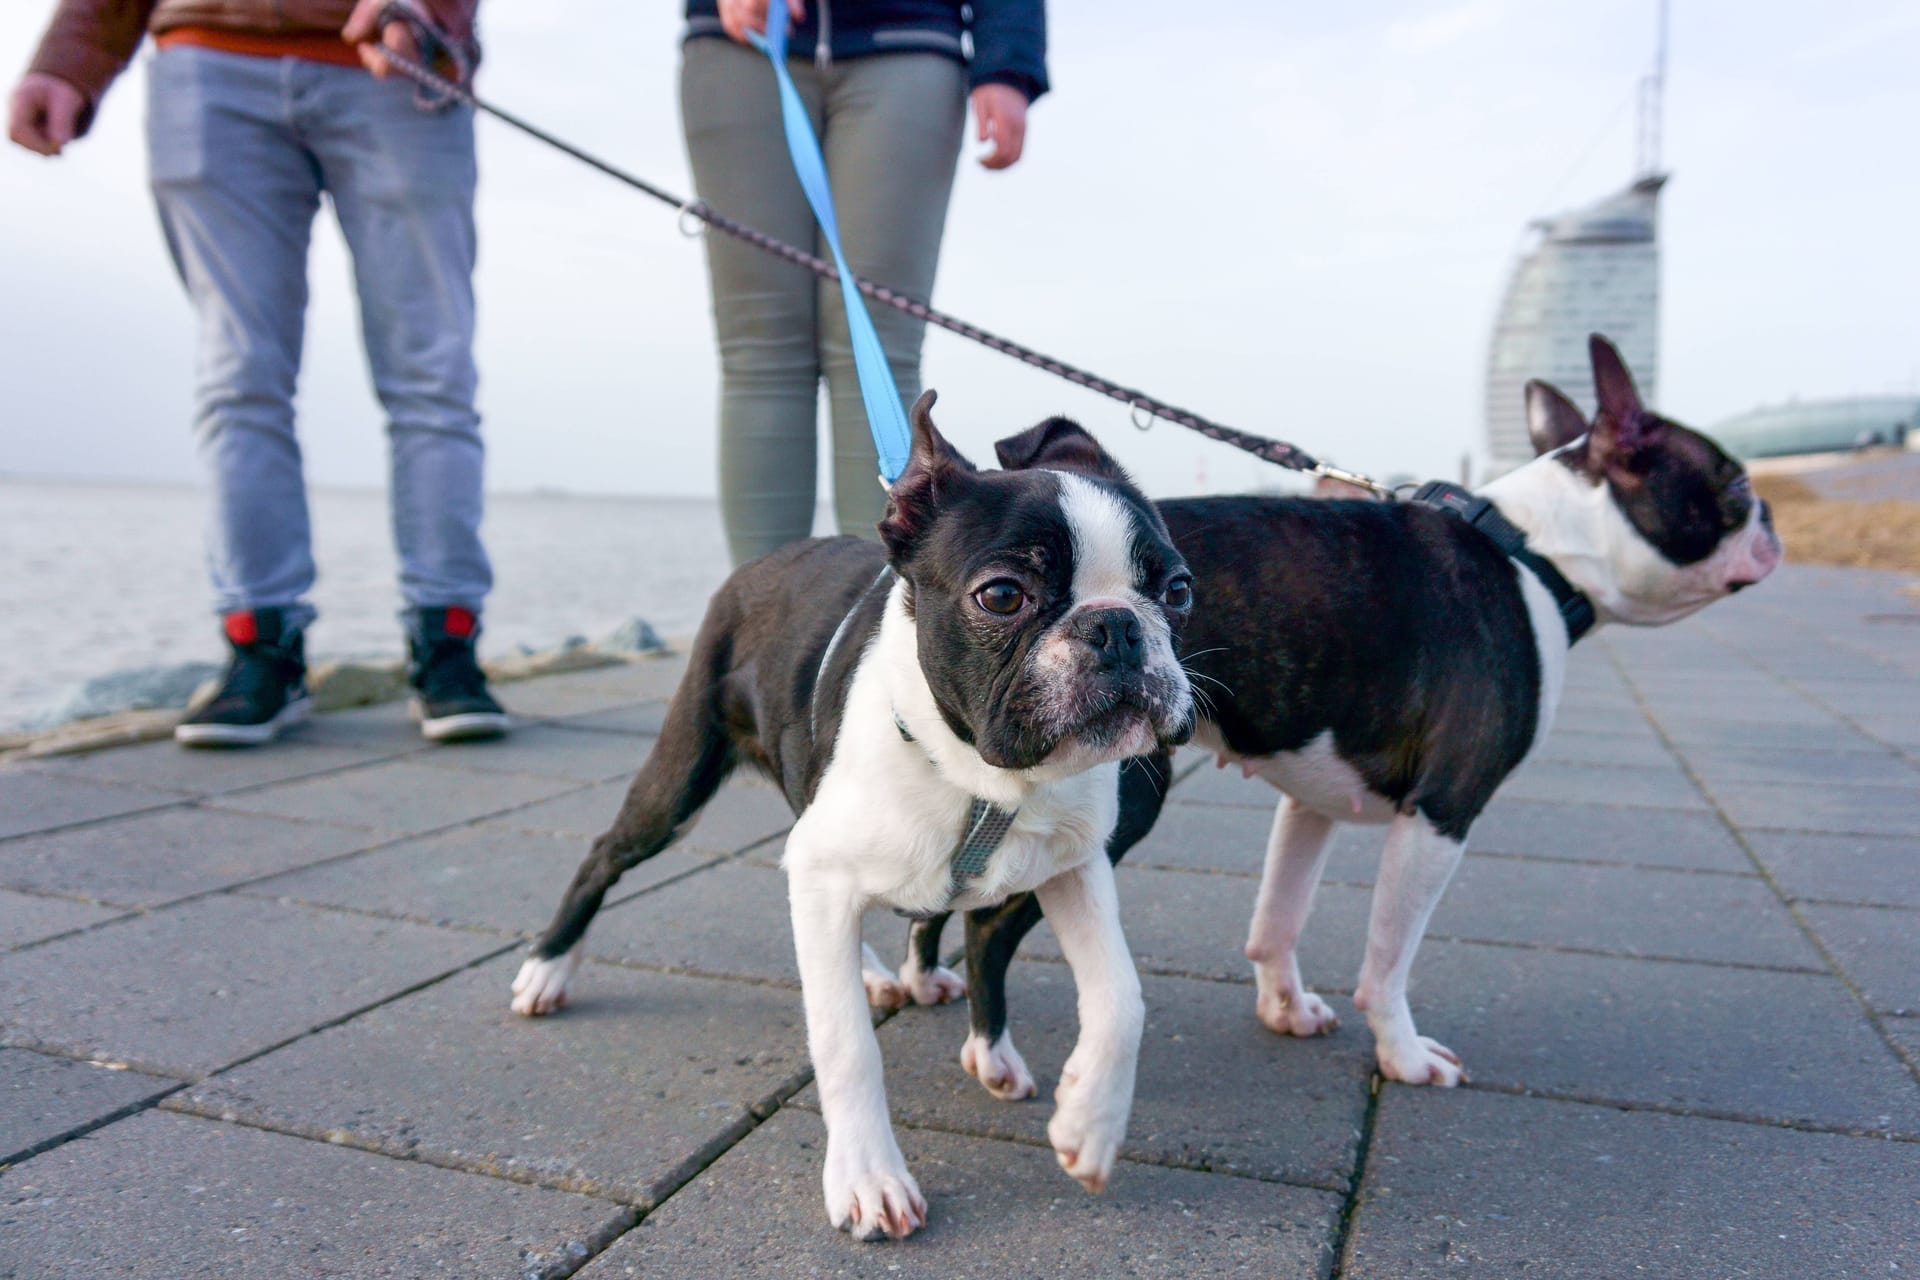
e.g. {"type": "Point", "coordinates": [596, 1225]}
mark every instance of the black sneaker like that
{"type": "Point", "coordinates": [450, 701]}
{"type": "Point", "coordinates": [264, 689]}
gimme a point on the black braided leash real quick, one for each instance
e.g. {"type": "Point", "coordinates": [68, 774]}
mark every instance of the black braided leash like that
{"type": "Point", "coordinates": [1278, 452]}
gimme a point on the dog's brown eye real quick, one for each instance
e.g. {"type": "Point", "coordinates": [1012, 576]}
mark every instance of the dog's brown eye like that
{"type": "Point", "coordinates": [1179, 593]}
{"type": "Point", "coordinates": [1002, 597]}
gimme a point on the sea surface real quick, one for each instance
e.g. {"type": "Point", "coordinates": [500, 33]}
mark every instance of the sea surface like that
{"type": "Point", "coordinates": [100, 578]}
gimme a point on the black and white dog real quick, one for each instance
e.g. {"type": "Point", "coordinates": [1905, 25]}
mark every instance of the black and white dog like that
{"type": "Point", "coordinates": [1394, 663]}
{"type": "Point", "coordinates": [946, 717]}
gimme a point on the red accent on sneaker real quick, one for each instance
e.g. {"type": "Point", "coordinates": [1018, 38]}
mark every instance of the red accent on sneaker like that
{"type": "Point", "coordinates": [241, 627]}
{"type": "Point", "coordinates": [461, 622]}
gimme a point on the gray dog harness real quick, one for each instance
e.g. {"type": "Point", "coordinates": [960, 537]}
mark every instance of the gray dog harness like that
{"type": "Point", "coordinates": [987, 826]}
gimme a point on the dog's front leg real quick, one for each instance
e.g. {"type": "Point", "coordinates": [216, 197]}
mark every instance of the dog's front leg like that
{"type": "Point", "coordinates": [1413, 873]}
{"type": "Point", "coordinates": [868, 1188]}
{"type": "Point", "coordinates": [1096, 1085]}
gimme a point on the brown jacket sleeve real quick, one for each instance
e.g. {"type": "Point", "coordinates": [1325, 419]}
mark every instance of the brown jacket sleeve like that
{"type": "Point", "coordinates": [89, 42]}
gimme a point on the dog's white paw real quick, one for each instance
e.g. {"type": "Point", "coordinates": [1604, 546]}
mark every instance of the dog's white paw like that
{"type": "Point", "coordinates": [884, 991]}
{"type": "Point", "coordinates": [998, 1066]}
{"type": "Point", "coordinates": [541, 985]}
{"type": "Point", "coordinates": [936, 986]}
{"type": "Point", "coordinates": [1417, 1059]}
{"type": "Point", "coordinates": [1306, 1014]}
{"type": "Point", "coordinates": [870, 1193]}
{"type": "Point", "coordinates": [1087, 1128]}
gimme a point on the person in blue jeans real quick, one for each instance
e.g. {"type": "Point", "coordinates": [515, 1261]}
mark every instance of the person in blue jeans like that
{"type": "Point", "coordinates": [255, 109]}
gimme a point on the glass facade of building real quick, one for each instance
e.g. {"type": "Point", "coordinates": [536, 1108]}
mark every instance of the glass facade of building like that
{"type": "Point", "coordinates": [1594, 270]}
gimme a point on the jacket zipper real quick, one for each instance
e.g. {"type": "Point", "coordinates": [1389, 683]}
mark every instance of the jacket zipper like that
{"type": "Point", "coordinates": [823, 42]}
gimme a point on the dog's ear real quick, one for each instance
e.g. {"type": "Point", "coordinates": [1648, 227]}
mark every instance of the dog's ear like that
{"type": "Point", "coordinates": [1622, 427]}
{"type": "Point", "coordinates": [934, 467]}
{"type": "Point", "coordinates": [1059, 443]}
{"type": "Point", "coordinates": [1553, 420]}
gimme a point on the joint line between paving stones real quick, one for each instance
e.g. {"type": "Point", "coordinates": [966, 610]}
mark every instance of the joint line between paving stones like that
{"type": "Point", "coordinates": [1834, 966]}
{"type": "Point", "coordinates": [86, 1127]}
{"type": "Point", "coordinates": [1342, 1242]}
{"type": "Point", "coordinates": [1911, 1138]}
{"type": "Point", "coordinates": [1541, 859]}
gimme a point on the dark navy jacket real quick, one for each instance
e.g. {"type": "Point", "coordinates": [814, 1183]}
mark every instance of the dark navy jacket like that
{"type": "Point", "coordinates": [998, 41]}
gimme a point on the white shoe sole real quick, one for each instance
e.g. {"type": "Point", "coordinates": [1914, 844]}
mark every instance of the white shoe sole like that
{"type": "Point", "coordinates": [243, 735]}
{"type": "Point", "coordinates": [468, 727]}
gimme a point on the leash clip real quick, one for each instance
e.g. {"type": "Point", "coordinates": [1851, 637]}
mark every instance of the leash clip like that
{"type": "Point", "coordinates": [1354, 478]}
{"type": "Point", "coordinates": [1134, 407]}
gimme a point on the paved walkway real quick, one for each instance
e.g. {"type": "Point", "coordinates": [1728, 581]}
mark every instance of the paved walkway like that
{"type": "Point", "coordinates": [255, 1010]}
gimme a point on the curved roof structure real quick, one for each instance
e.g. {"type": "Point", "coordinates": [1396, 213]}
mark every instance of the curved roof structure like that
{"type": "Point", "coordinates": [1818, 426]}
{"type": "Point", "coordinates": [1591, 270]}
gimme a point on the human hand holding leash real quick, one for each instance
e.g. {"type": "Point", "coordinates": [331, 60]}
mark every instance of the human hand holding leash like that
{"type": "Point", "coordinates": [1000, 115]}
{"type": "Point", "coordinates": [366, 29]}
{"type": "Point", "coordinates": [738, 17]}
{"type": "Point", "coordinates": [46, 113]}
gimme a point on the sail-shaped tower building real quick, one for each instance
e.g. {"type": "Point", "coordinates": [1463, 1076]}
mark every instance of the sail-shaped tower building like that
{"type": "Point", "coordinates": [1592, 270]}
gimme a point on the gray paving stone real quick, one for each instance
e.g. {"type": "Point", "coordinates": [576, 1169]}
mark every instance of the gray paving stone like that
{"type": "Point", "coordinates": [403, 797]}
{"type": "Point", "coordinates": [545, 751]}
{"type": "Point", "coordinates": [1623, 910]}
{"type": "Point", "coordinates": [641, 1081]}
{"type": "Point", "coordinates": [1195, 925]}
{"type": "Point", "coordinates": [1716, 731]}
{"type": "Point", "coordinates": [39, 800]}
{"type": "Point", "coordinates": [202, 773]}
{"type": "Point", "coordinates": [379, 732]}
{"type": "Point", "coordinates": [189, 989]}
{"type": "Point", "coordinates": [191, 1199]}
{"type": "Point", "coordinates": [995, 1210]}
{"type": "Point", "coordinates": [1902, 731]}
{"type": "Point", "coordinates": [1465, 1182]}
{"type": "Point", "coordinates": [150, 858]}
{"type": "Point", "coordinates": [26, 917]}
{"type": "Point", "coordinates": [1884, 870]}
{"type": "Point", "coordinates": [1871, 811]}
{"type": "Point", "coordinates": [1562, 782]}
{"type": "Point", "coordinates": [1570, 746]}
{"type": "Point", "coordinates": [1608, 833]}
{"type": "Point", "coordinates": [743, 813]}
{"type": "Point", "coordinates": [488, 876]}
{"type": "Point", "coordinates": [1773, 765]}
{"type": "Point", "coordinates": [1216, 1090]}
{"type": "Point", "coordinates": [1232, 839]}
{"type": "Point", "coordinates": [728, 922]}
{"type": "Point", "coordinates": [1613, 722]}
{"type": "Point", "coordinates": [1879, 947]}
{"type": "Point", "coordinates": [636, 717]}
{"type": "Point", "coordinates": [649, 678]}
{"type": "Point", "coordinates": [1905, 1034]}
{"type": "Point", "coordinates": [43, 1099]}
{"type": "Point", "coordinates": [1748, 1043]}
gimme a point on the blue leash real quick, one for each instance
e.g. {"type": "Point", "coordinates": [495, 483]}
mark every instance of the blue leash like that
{"type": "Point", "coordinates": [885, 416]}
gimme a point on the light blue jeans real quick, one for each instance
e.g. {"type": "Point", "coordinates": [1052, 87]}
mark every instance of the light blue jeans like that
{"type": "Point", "coordinates": [242, 149]}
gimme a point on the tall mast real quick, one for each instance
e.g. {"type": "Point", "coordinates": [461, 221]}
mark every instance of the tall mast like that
{"type": "Point", "coordinates": [1653, 87]}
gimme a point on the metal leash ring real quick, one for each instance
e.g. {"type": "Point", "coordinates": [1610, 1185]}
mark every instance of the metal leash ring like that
{"type": "Point", "coordinates": [1134, 406]}
{"type": "Point", "coordinates": [692, 209]}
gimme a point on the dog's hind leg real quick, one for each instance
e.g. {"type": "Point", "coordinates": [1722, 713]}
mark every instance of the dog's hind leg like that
{"type": "Point", "coordinates": [692, 757]}
{"type": "Point", "coordinates": [1296, 855]}
{"type": "Point", "coordinates": [925, 978]}
{"type": "Point", "coordinates": [994, 934]}
{"type": "Point", "coordinates": [1418, 863]}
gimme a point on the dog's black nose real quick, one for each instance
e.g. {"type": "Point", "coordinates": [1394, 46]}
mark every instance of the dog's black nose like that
{"type": "Point", "coordinates": [1114, 634]}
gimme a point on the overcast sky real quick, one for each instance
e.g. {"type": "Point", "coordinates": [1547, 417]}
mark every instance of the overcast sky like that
{"type": "Point", "coordinates": [1295, 218]}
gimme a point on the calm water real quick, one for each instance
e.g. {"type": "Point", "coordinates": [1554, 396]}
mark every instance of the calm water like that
{"type": "Point", "coordinates": [102, 578]}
